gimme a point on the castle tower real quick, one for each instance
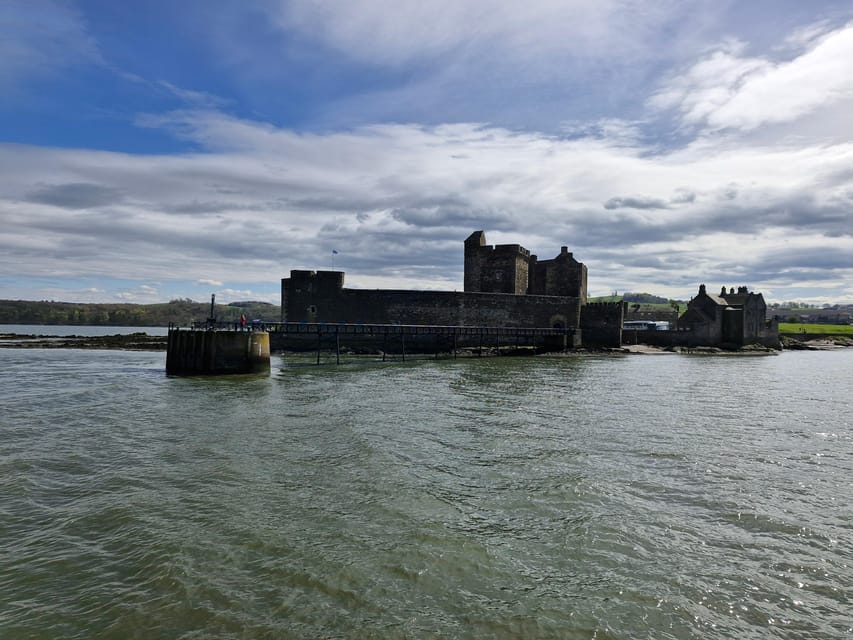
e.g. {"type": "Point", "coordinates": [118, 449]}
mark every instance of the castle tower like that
{"type": "Point", "coordinates": [503, 268]}
{"type": "Point", "coordinates": [560, 276]}
{"type": "Point", "coordinates": [474, 245]}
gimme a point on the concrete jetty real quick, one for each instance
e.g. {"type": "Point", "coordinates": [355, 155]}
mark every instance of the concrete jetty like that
{"type": "Point", "coordinates": [215, 351]}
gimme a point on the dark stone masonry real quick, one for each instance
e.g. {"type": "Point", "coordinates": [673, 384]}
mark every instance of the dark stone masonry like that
{"type": "Point", "coordinates": [505, 286]}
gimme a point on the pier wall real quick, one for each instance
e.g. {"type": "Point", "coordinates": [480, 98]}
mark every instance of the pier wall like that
{"type": "Point", "coordinates": [206, 352]}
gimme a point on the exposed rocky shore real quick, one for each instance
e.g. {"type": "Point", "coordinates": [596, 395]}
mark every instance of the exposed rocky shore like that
{"type": "Point", "coordinates": [131, 341]}
{"type": "Point", "coordinates": [824, 343]}
{"type": "Point", "coordinates": [748, 350]}
{"type": "Point", "coordinates": [788, 344]}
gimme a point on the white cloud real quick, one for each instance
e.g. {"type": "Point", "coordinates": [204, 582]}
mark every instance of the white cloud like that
{"type": "Point", "coordinates": [141, 294]}
{"type": "Point", "coordinates": [398, 200]}
{"type": "Point", "coordinates": [727, 90]}
{"type": "Point", "coordinates": [238, 294]}
{"type": "Point", "coordinates": [760, 191]}
{"type": "Point", "coordinates": [399, 32]}
{"type": "Point", "coordinates": [524, 65]}
{"type": "Point", "coordinates": [41, 37]}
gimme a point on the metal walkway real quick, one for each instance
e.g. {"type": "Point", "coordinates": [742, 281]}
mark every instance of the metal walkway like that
{"type": "Point", "coordinates": [342, 328]}
{"type": "Point", "coordinates": [444, 338]}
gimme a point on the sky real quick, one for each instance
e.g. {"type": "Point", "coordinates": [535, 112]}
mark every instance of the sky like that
{"type": "Point", "coordinates": [152, 150]}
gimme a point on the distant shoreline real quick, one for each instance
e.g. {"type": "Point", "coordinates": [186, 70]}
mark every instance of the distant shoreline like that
{"type": "Point", "coordinates": [141, 341]}
{"type": "Point", "coordinates": [130, 342]}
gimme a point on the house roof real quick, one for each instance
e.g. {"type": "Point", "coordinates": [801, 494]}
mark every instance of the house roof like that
{"type": "Point", "coordinates": [717, 299]}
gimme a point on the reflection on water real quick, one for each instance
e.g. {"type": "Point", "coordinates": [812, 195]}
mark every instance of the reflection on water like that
{"type": "Point", "coordinates": [659, 497]}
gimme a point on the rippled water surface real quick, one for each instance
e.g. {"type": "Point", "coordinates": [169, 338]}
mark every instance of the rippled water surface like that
{"type": "Point", "coordinates": [594, 497]}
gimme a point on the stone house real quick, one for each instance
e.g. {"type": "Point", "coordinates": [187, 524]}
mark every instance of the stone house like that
{"type": "Point", "coordinates": [730, 319]}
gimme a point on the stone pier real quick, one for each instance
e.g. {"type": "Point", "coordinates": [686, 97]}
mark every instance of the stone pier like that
{"type": "Point", "coordinates": [213, 352]}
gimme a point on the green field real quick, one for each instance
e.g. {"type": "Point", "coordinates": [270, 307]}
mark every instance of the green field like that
{"type": "Point", "coordinates": [825, 329]}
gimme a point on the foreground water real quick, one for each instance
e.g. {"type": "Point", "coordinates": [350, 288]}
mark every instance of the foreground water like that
{"type": "Point", "coordinates": [630, 497]}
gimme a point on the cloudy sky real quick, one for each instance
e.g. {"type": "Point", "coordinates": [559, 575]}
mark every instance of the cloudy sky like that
{"type": "Point", "coordinates": [152, 149]}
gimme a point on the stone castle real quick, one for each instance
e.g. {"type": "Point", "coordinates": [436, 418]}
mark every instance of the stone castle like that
{"type": "Point", "coordinates": [505, 286]}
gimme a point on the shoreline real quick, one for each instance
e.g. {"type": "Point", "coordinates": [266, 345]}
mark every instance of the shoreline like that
{"type": "Point", "coordinates": [141, 341]}
{"type": "Point", "coordinates": [129, 342]}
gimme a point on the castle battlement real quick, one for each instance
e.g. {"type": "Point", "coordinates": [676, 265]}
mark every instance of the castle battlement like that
{"type": "Point", "coordinates": [510, 268]}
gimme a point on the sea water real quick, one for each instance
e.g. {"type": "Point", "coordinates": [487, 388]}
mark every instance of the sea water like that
{"type": "Point", "coordinates": [550, 497]}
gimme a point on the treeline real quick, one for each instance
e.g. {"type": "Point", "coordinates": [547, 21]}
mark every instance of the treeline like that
{"type": "Point", "coordinates": [645, 298]}
{"type": "Point", "coordinates": [182, 312]}
{"type": "Point", "coordinates": [639, 298]}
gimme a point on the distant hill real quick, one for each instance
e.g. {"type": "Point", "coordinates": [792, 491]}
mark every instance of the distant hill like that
{"type": "Point", "coordinates": [644, 298]}
{"type": "Point", "coordinates": [181, 312]}
{"type": "Point", "coordinates": [646, 301]}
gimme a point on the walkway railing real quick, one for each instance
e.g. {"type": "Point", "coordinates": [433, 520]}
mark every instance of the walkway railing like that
{"type": "Point", "coordinates": [344, 328]}
{"type": "Point", "coordinates": [395, 336]}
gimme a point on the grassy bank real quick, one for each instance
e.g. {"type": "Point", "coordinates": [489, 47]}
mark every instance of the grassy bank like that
{"type": "Point", "coordinates": [795, 328]}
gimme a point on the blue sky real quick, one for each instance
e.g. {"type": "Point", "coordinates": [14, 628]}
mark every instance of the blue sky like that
{"type": "Point", "coordinates": [159, 149]}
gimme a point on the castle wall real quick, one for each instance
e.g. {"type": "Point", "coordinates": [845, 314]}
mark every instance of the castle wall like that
{"type": "Point", "coordinates": [768, 335]}
{"type": "Point", "coordinates": [317, 297]}
{"type": "Point", "coordinates": [732, 334]}
{"type": "Point", "coordinates": [696, 337]}
{"type": "Point", "coordinates": [754, 314]}
{"type": "Point", "coordinates": [698, 332]}
{"type": "Point", "coordinates": [504, 287]}
{"type": "Point", "coordinates": [601, 324]}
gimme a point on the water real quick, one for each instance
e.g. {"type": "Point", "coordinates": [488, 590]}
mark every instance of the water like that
{"type": "Point", "coordinates": [597, 497]}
